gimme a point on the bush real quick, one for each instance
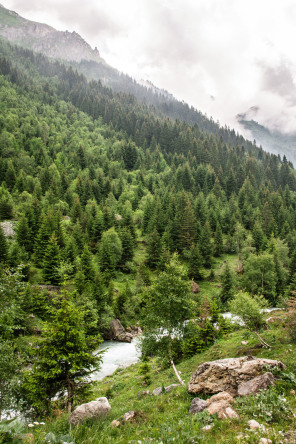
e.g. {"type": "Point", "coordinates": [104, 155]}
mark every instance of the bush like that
{"type": "Point", "coordinates": [249, 309]}
{"type": "Point", "coordinates": [266, 406]}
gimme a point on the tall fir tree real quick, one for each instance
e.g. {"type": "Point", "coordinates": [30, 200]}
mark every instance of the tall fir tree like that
{"type": "Point", "coordinates": [51, 262]}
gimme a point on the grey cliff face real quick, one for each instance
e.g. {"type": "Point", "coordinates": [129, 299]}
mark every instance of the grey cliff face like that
{"type": "Point", "coordinates": [42, 38]}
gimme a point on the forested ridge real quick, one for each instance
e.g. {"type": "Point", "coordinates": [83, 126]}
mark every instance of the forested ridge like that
{"type": "Point", "coordinates": [102, 192]}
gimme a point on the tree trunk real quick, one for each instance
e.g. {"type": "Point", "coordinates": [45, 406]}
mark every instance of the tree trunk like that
{"type": "Point", "coordinates": [176, 372]}
{"type": "Point", "coordinates": [70, 394]}
{"type": "Point", "coordinates": [262, 340]}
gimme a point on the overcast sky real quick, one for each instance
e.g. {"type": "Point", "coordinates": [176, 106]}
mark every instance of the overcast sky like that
{"type": "Point", "coordinates": [222, 57]}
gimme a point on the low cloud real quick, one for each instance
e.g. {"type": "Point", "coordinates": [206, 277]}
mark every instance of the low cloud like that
{"type": "Point", "coordinates": [240, 53]}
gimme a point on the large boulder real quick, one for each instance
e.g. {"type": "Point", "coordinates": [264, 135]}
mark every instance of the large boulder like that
{"type": "Point", "coordinates": [116, 328]}
{"type": "Point", "coordinates": [228, 374]}
{"type": "Point", "coordinates": [118, 333]}
{"type": "Point", "coordinates": [93, 409]}
{"type": "Point", "coordinates": [198, 405]}
{"type": "Point", "coordinates": [261, 382]}
{"type": "Point", "coordinates": [223, 410]}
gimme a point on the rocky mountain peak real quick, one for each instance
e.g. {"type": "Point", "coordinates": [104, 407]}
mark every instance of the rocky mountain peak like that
{"type": "Point", "coordinates": [64, 45]}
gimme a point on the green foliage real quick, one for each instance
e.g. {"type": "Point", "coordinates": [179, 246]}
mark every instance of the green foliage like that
{"type": "Point", "coordinates": [195, 263]}
{"type": "Point", "coordinates": [260, 277]}
{"type": "Point", "coordinates": [14, 302]}
{"type": "Point", "coordinates": [268, 406]}
{"type": "Point", "coordinates": [110, 250]}
{"type": "Point", "coordinates": [227, 281]}
{"type": "Point", "coordinates": [65, 356]}
{"type": "Point", "coordinates": [249, 309]}
{"type": "Point", "coordinates": [168, 305]}
{"type": "Point", "coordinates": [51, 262]}
{"type": "Point", "coordinates": [11, 431]}
{"type": "Point", "coordinates": [3, 247]}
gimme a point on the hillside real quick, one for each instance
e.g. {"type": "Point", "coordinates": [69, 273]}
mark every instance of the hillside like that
{"type": "Point", "coordinates": [45, 39]}
{"type": "Point", "coordinates": [274, 142]}
{"type": "Point", "coordinates": [110, 204]}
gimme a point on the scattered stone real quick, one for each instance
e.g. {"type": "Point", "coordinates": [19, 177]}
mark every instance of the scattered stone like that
{"type": "Point", "coordinates": [252, 386]}
{"type": "Point", "coordinates": [222, 396]}
{"type": "Point", "coordinates": [93, 409]}
{"type": "Point", "coordinates": [244, 342]}
{"type": "Point", "coordinates": [198, 405]}
{"type": "Point", "coordinates": [265, 441]}
{"type": "Point", "coordinates": [129, 416]}
{"type": "Point", "coordinates": [223, 409]}
{"type": "Point", "coordinates": [207, 428]}
{"type": "Point", "coordinates": [228, 374]}
{"type": "Point", "coordinates": [143, 393]}
{"type": "Point", "coordinates": [253, 424]}
{"type": "Point", "coordinates": [115, 423]}
{"type": "Point", "coordinates": [195, 288]}
{"type": "Point", "coordinates": [157, 391]}
{"type": "Point", "coordinates": [170, 387]}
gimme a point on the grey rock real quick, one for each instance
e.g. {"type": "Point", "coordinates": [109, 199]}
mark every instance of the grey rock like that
{"type": "Point", "coordinates": [170, 387]}
{"type": "Point", "coordinates": [143, 393]}
{"type": "Point", "coordinates": [157, 391]}
{"type": "Point", "coordinates": [198, 405]}
{"type": "Point", "coordinates": [261, 382]}
{"type": "Point", "coordinates": [227, 374]}
{"type": "Point", "coordinates": [129, 416]}
{"type": "Point", "coordinates": [94, 409]}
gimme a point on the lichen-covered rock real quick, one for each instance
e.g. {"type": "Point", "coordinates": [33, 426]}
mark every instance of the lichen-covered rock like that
{"type": "Point", "coordinates": [157, 391]}
{"type": "Point", "coordinates": [261, 382]}
{"type": "Point", "coordinates": [227, 374]}
{"type": "Point", "coordinates": [93, 409]}
{"type": "Point", "coordinates": [129, 416]}
{"type": "Point", "coordinates": [170, 387]}
{"type": "Point", "coordinates": [223, 409]}
{"type": "Point", "coordinates": [253, 424]}
{"type": "Point", "coordinates": [222, 396]}
{"type": "Point", "coordinates": [198, 405]}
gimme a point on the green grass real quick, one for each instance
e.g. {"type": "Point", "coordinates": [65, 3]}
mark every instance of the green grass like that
{"type": "Point", "coordinates": [165, 418]}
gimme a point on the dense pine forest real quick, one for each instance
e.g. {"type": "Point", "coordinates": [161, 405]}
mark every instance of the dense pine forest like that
{"type": "Point", "coordinates": [102, 196]}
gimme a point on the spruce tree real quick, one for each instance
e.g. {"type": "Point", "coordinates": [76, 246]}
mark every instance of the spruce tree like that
{"type": "Point", "coordinates": [3, 247]}
{"type": "Point", "coordinates": [218, 246]}
{"type": "Point", "coordinates": [86, 264]}
{"type": "Point", "coordinates": [227, 285]}
{"type": "Point", "coordinates": [51, 262]}
{"type": "Point", "coordinates": [205, 245]}
{"type": "Point", "coordinates": [195, 264]}
{"type": "Point", "coordinates": [153, 249]}
{"type": "Point", "coordinates": [65, 356]}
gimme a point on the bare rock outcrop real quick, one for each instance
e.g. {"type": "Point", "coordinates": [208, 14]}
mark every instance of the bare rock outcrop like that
{"type": "Point", "coordinates": [118, 333]}
{"type": "Point", "coordinates": [94, 409]}
{"type": "Point", "coordinates": [227, 374]}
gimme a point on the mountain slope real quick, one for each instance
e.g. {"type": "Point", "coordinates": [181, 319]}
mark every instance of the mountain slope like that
{"type": "Point", "coordinates": [42, 38]}
{"type": "Point", "coordinates": [273, 141]}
